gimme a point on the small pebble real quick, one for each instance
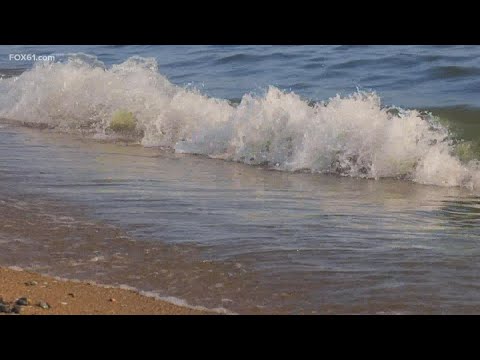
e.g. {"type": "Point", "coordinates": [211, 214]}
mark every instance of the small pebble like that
{"type": "Point", "coordinates": [71, 294]}
{"type": "Point", "coordinates": [112, 300]}
{"type": "Point", "coordinates": [64, 303]}
{"type": "Point", "coordinates": [44, 305]}
{"type": "Point", "coordinates": [17, 309]}
{"type": "Point", "coordinates": [23, 301]}
{"type": "Point", "coordinates": [4, 308]}
{"type": "Point", "coordinates": [31, 283]}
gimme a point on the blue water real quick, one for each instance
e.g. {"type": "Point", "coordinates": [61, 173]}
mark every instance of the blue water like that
{"type": "Point", "coordinates": [408, 76]}
{"type": "Point", "coordinates": [379, 213]}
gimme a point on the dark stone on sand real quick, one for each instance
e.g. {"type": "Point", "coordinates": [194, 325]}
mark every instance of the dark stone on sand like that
{"type": "Point", "coordinates": [4, 308]}
{"type": "Point", "coordinates": [31, 283]}
{"type": "Point", "coordinates": [71, 295]}
{"type": "Point", "coordinates": [44, 305]}
{"type": "Point", "coordinates": [17, 309]}
{"type": "Point", "coordinates": [23, 301]}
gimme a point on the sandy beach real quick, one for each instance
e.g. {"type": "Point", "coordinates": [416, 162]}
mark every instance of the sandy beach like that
{"type": "Point", "coordinates": [76, 298]}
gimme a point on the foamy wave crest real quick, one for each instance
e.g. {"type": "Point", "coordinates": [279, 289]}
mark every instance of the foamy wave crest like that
{"type": "Point", "coordinates": [350, 136]}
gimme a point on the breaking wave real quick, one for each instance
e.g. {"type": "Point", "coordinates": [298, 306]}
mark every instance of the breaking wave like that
{"type": "Point", "coordinates": [351, 136]}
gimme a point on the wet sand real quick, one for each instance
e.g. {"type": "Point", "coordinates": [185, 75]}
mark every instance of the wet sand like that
{"type": "Point", "coordinates": [79, 298]}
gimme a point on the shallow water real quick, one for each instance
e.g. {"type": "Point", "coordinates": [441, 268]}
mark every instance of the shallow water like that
{"type": "Point", "coordinates": [318, 208]}
{"type": "Point", "coordinates": [227, 235]}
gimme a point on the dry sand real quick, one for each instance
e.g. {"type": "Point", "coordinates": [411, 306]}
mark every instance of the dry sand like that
{"type": "Point", "coordinates": [75, 298]}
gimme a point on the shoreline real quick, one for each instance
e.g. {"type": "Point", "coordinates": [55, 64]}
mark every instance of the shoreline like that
{"type": "Point", "coordinates": [66, 297]}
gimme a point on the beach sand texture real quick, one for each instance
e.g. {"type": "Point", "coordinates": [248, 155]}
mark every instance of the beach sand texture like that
{"type": "Point", "coordinates": [79, 298]}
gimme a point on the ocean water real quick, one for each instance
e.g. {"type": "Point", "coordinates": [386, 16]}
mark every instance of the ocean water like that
{"type": "Point", "coordinates": [248, 179]}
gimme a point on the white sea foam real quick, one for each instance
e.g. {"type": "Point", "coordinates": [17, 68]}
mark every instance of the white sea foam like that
{"type": "Point", "coordinates": [350, 136]}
